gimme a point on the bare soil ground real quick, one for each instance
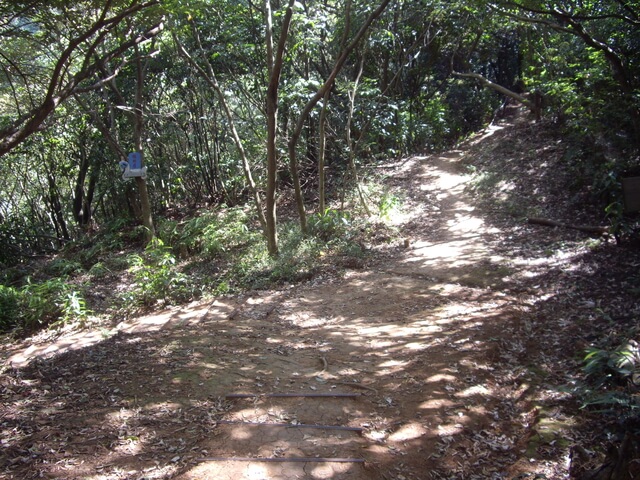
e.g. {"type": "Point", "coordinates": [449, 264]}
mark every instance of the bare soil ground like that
{"type": "Point", "coordinates": [442, 358]}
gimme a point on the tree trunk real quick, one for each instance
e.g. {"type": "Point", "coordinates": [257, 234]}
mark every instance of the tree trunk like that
{"type": "Point", "coordinates": [57, 215]}
{"type": "Point", "coordinates": [322, 141]}
{"type": "Point", "coordinates": [83, 194]}
{"type": "Point", "coordinates": [533, 106]}
{"type": "Point", "coordinates": [78, 195]}
{"type": "Point", "coordinates": [275, 63]}
{"type": "Point", "coordinates": [583, 228]}
{"type": "Point", "coordinates": [295, 135]}
{"type": "Point", "coordinates": [351, 146]}
{"type": "Point", "coordinates": [211, 79]}
{"type": "Point", "coordinates": [138, 128]}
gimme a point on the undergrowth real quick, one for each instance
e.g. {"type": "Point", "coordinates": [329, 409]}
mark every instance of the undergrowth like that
{"type": "Point", "coordinates": [217, 252]}
{"type": "Point", "coordinates": [49, 303]}
{"type": "Point", "coordinates": [612, 384]}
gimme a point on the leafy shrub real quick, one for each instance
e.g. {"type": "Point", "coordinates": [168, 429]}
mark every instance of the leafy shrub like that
{"type": "Point", "coordinates": [615, 378]}
{"type": "Point", "coordinates": [230, 230]}
{"type": "Point", "coordinates": [329, 224]}
{"type": "Point", "coordinates": [62, 267]}
{"type": "Point", "coordinates": [157, 277]}
{"type": "Point", "coordinates": [9, 307]}
{"type": "Point", "coordinates": [211, 234]}
{"type": "Point", "coordinates": [332, 235]}
{"type": "Point", "coordinates": [98, 269]}
{"type": "Point", "coordinates": [613, 366]}
{"type": "Point", "coordinates": [53, 302]}
{"type": "Point", "coordinates": [623, 227]}
{"type": "Point", "coordinates": [50, 303]}
{"type": "Point", "coordinates": [185, 237]}
{"type": "Point", "coordinates": [387, 205]}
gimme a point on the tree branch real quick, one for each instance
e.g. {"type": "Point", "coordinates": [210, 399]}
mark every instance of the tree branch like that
{"type": "Point", "coordinates": [498, 88]}
{"type": "Point", "coordinates": [30, 123]}
{"type": "Point", "coordinates": [295, 135]}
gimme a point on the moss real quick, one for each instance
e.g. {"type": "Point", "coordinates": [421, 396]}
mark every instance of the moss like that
{"type": "Point", "coordinates": [549, 430]}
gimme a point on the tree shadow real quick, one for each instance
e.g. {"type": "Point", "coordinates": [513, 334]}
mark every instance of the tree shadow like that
{"type": "Point", "coordinates": [151, 403]}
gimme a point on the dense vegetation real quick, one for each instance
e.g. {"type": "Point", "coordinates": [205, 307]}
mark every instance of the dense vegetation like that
{"type": "Point", "coordinates": [237, 106]}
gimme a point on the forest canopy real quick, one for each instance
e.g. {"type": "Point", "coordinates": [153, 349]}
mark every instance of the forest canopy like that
{"type": "Point", "coordinates": [234, 102]}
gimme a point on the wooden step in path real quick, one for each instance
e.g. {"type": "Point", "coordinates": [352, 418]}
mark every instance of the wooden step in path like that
{"type": "Point", "coordinates": [288, 425]}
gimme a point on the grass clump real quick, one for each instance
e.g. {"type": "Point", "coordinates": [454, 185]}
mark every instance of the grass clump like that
{"type": "Point", "coordinates": [332, 235]}
{"type": "Point", "coordinates": [53, 302]}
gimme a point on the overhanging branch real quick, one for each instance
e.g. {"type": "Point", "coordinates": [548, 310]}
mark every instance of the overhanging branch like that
{"type": "Point", "coordinates": [31, 122]}
{"type": "Point", "coordinates": [500, 89]}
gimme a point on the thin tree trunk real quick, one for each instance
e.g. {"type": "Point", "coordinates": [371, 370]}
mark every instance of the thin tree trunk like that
{"type": "Point", "coordinates": [79, 212]}
{"type": "Point", "coordinates": [275, 63]}
{"type": "Point", "coordinates": [57, 215]}
{"type": "Point", "coordinates": [350, 145]}
{"type": "Point", "coordinates": [295, 134]}
{"type": "Point", "coordinates": [322, 140]}
{"type": "Point", "coordinates": [138, 128]}
{"type": "Point", "coordinates": [583, 228]}
{"type": "Point", "coordinates": [211, 79]}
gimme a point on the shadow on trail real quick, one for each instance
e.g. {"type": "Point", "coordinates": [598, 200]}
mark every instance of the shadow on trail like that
{"type": "Point", "coordinates": [442, 346]}
{"type": "Point", "coordinates": [149, 404]}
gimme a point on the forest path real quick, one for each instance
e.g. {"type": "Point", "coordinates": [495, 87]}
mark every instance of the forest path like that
{"type": "Point", "coordinates": [450, 240]}
{"type": "Point", "coordinates": [415, 340]}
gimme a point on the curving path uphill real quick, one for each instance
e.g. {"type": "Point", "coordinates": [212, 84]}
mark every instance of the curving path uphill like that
{"type": "Point", "coordinates": [405, 355]}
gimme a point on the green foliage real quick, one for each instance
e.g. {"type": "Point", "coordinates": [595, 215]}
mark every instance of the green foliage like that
{"type": "Point", "coordinates": [430, 128]}
{"type": "Point", "coordinates": [229, 230]}
{"type": "Point", "coordinates": [467, 111]}
{"type": "Point", "coordinates": [211, 234]}
{"type": "Point", "coordinates": [387, 205]}
{"type": "Point", "coordinates": [73, 307]}
{"type": "Point", "coordinates": [330, 224]}
{"type": "Point", "coordinates": [614, 366]}
{"type": "Point", "coordinates": [332, 236]}
{"type": "Point", "coordinates": [623, 226]}
{"type": "Point", "coordinates": [10, 299]}
{"type": "Point", "coordinates": [62, 267]}
{"type": "Point", "coordinates": [53, 302]}
{"type": "Point", "coordinates": [184, 237]}
{"type": "Point", "coordinates": [156, 278]}
{"type": "Point", "coordinates": [613, 376]}
{"type": "Point", "coordinates": [98, 270]}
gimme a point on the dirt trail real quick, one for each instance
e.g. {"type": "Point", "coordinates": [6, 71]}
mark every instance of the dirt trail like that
{"type": "Point", "coordinates": [415, 338]}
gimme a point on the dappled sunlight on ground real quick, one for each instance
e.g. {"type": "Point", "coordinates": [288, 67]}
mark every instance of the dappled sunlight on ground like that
{"type": "Point", "coordinates": [394, 371]}
{"type": "Point", "coordinates": [170, 318]}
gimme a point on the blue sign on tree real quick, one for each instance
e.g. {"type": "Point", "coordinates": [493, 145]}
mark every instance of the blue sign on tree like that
{"type": "Point", "coordinates": [132, 167]}
{"type": "Point", "coordinates": [135, 160]}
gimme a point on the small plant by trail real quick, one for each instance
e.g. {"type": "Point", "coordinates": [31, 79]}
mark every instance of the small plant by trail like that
{"type": "Point", "coordinates": [155, 278]}
{"type": "Point", "coordinates": [330, 224]}
{"type": "Point", "coordinates": [53, 302]}
{"type": "Point", "coordinates": [614, 378]}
